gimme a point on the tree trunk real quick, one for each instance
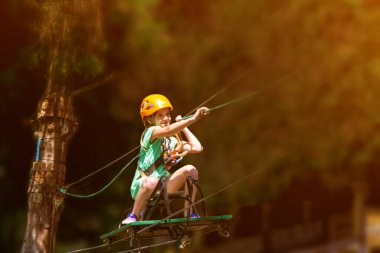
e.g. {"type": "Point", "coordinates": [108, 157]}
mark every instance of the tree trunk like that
{"type": "Point", "coordinates": [54, 127]}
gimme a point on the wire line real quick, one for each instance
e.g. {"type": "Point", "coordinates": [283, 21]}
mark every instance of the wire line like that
{"type": "Point", "coordinates": [64, 190]}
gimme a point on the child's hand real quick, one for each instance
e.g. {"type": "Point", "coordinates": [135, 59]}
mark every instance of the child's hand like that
{"type": "Point", "coordinates": [178, 118]}
{"type": "Point", "coordinates": [203, 111]}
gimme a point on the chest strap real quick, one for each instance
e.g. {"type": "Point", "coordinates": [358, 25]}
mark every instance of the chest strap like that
{"type": "Point", "coordinates": [151, 168]}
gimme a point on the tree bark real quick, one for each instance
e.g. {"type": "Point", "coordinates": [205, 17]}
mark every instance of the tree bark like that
{"type": "Point", "coordinates": [53, 129]}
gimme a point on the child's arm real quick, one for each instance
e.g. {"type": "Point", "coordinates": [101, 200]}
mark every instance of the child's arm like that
{"type": "Point", "coordinates": [196, 146]}
{"type": "Point", "coordinates": [176, 127]}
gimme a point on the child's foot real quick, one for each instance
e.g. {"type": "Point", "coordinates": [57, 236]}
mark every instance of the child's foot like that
{"type": "Point", "coordinates": [131, 218]}
{"type": "Point", "coordinates": [194, 215]}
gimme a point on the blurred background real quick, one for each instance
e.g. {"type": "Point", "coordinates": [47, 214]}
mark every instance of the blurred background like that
{"type": "Point", "coordinates": [315, 131]}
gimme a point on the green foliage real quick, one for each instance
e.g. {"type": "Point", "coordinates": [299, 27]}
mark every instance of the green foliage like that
{"type": "Point", "coordinates": [70, 41]}
{"type": "Point", "coordinates": [322, 119]}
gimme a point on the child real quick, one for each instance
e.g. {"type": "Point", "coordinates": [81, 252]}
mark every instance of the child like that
{"type": "Point", "coordinates": [156, 142]}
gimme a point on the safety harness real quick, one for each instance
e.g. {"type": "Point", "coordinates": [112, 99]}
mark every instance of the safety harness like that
{"type": "Point", "coordinates": [168, 157]}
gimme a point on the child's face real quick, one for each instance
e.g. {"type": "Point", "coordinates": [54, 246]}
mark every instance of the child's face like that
{"type": "Point", "coordinates": [162, 117]}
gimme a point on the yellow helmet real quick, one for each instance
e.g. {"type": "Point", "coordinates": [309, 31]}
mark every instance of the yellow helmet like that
{"type": "Point", "coordinates": [153, 103]}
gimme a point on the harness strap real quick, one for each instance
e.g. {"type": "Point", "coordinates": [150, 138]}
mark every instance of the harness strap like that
{"type": "Point", "coordinates": [173, 157]}
{"type": "Point", "coordinates": [167, 158]}
{"type": "Point", "coordinates": [151, 168]}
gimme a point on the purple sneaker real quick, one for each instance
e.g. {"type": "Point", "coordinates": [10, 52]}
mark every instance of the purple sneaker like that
{"type": "Point", "coordinates": [131, 218]}
{"type": "Point", "coordinates": [194, 215]}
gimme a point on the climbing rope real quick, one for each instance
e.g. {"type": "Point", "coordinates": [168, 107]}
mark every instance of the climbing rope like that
{"type": "Point", "coordinates": [225, 87]}
{"type": "Point", "coordinates": [64, 189]}
{"type": "Point", "coordinates": [239, 98]}
{"type": "Point", "coordinates": [102, 168]}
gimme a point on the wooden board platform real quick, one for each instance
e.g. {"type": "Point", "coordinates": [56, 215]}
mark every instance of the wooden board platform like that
{"type": "Point", "coordinates": [165, 227]}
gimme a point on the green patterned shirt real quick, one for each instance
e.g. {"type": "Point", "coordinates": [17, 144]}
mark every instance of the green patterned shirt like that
{"type": "Point", "coordinates": [149, 153]}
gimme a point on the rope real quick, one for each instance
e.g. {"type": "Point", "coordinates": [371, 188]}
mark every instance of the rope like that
{"type": "Point", "coordinates": [105, 80]}
{"type": "Point", "coordinates": [64, 190]}
{"type": "Point", "coordinates": [241, 98]}
{"type": "Point", "coordinates": [223, 89]}
{"type": "Point", "coordinates": [102, 168]}
{"type": "Point", "coordinates": [127, 251]}
{"type": "Point", "coordinates": [148, 246]}
{"type": "Point", "coordinates": [87, 249]}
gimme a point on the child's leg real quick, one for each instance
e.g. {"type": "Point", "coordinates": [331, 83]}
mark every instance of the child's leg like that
{"type": "Point", "coordinates": [147, 187]}
{"type": "Point", "coordinates": [178, 179]}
